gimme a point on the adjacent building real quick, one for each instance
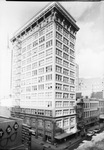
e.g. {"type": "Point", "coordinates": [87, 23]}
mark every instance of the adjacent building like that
{"type": "Point", "coordinates": [44, 73]}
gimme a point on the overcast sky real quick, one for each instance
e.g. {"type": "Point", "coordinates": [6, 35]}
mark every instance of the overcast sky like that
{"type": "Point", "coordinates": [89, 43]}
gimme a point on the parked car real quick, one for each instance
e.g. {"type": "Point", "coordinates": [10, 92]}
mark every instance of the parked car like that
{"type": "Point", "coordinates": [96, 130]}
{"type": "Point", "coordinates": [90, 133]}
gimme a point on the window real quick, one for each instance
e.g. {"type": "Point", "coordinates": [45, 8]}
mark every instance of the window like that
{"type": "Point", "coordinates": [24, 56]}
{"type": "Point", "coordinates": [65, 104]}
{"type": "Point", "coordinates": [48, 77]}
{"type": "Point", "coordinates": [72, 66]}
{"type": "Point", "coordinates": [58, 52]}
{"type": "Point", "coordinates": [58, 86]}
{"type": "Point", "coordinates": [72, 45]}
{"type": "Point", "coordinates": [34, 57]}
{"type": "Point", "coordinates": [72, 38]}
{"type": "Point", "coordinates": [58, 69]}
{"type": "Point", "coordinates": [58, 27]}
{"type": "Point", "coordinates": [35, 36]}
{"type": "Point", "coordinates": [41, 47]}
{"type": "Point", "coordinates": [58, 44]}
{"type": "Point", "coordinates": [49, 68]}
{"type": "Point", "coordinates": [23, 69]}
{"type": "Point", "coordinates": [41, 71]}
{"type": "Point", "coordinates": [65, 63]}
{"type": "Point", "coordinates": [58, 95]}
{"type": "Point", "coordinates": [72, 74]}
{"type": "Point", "coordinates": [58, 36]}
{"type": "Point", "coordinates": [34, 65]}
{"type": "Point", "coordinates": [34, 80]}
{"type": "Point", "coordinates": [72, 103]}
{"type": "Point", "coordinates": [72, 89]}
{"type": "Point", "coordinates": [35, 43]}
{"type": "Point", "coordinates": [58, 77]}
{"type": "Point", "coordinates": [58, 60]}
{"type": "Point", "coordinates": [66, 121]}
{"type": "Point", "coordinates": [72, 96]}
{"type": "Point", "coordinates": [65, 95]}
{"type": "Point", "coordinates": [65, 33]}
{"type": "Point", "coordinates": [49, 27]}
{"type": "Point", "coordinates": [28, 74]}
{"type": "Point", "coordinates": [72, 59]}
{"type": "Point", "coordinates": [41, 79]}
{"type": "Point", "coordinates": [48, 94]}
{"type": "Point", "coordinates": [34, 88]}
{"type": "Point", "coordinates": [59, 123]}
{"type": "Point", "coordinates": [49, 52]}
{"type": "Point", "coordinates": [65, 41]}
{"type": "Point", "coordinates": [48, 86]}
{"type": "Point", "coordinates": [28, 89]}
{"type": "Point", "coordinates": [28, 67]}
{"type": "Point", "coordinates": [65, 71]}
{"type": "Point", "coordinates": [41, 87]}
{"type": "Point", "coordinates": [72, 81]}
{"type": "Point", "coordinates": [34, 51]}
{"type": "Point", "coordinates": [58, 103]}
{"type": "Point", "coordinates": [49, 60]}
{"type": "Point", "coordinates": [58, 112]}
{"type": "Point", "coordinates": [29, 47]}
{"type": "Point", "coordinates": [72, 52]}
{"type": "Point", "coordinates": [65, 56]}
{"type": "Point", "coordinates": [49, 35]}
{"type": "Point", "coordinates": [66, 79]}
{"type": "Point", "coordinates": [65, 87]}
{"type": "Point", "coordinates": [29, 60]}
{"type": "Point", "coordinates": [42, 39]}
{"type": "Point", "coordinates": [41, 62]}
{"type": "Point", "coordinates": [72, 111]}
{"type": "Point", "coordinates": [65, 48]}
{"type": "Point", "coordinates": [41, 55]}
{"type": "Point", "coordinates": [34, 72]}
{"type": "Point", "coordinates": [65, 112]}
{"type": "Point", "coordinates": [24, 50]}
{"type": "Point", "coordinates": [41, 32]}
{"type": "Point", "coordinates": [49, 43]}
{"type": "Point", "coordinates": [28, 53]}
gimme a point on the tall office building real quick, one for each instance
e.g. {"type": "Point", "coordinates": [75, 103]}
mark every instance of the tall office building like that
{"type": "Point", "coordinates": [43, 72]}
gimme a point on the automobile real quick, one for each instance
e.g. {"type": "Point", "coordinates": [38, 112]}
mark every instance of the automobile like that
{"type": "Point", "coordinates": [90, 133]}
{"type": "Point", "coordinates": [96, 130]}
{"type": "Point", "coordinates": [84, 141]}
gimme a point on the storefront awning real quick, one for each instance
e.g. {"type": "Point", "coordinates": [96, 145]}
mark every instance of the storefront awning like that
{"type": "Point", "coordinates": [63, 135]}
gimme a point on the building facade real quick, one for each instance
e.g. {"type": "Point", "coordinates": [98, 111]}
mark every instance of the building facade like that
{"type": "Point", "coordinates": [43, 72]}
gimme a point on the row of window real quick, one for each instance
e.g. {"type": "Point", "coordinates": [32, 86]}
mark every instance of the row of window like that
{"type": "Point", "coordinates": [34, 52]}
{"type": "Point", "coordinates": [64, 78]}
{"type": "Point", "coordinates": [66, 122]}
{"type": "Point", "coordinates": [64, 112]}
{"type": "Point", "coordinates": [64, 103]}
{"type": "Point", "coordinates": [35, 43]}
{"type": "Point", "coordinates": [66, 33]}
{"type": "Point", "coordinates": [34, 65]}
{"type": "Point", "coordinates": [37, 34]}
{"type": "Point", "coordinates": [90, 113]}
{"type": "Point", "coordinates": [40, 63]}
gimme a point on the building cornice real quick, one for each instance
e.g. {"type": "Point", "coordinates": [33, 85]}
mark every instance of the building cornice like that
{"type": "Point", "coordinates": [41, 14]}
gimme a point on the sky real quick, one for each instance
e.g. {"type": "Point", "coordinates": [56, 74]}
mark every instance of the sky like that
{"type": "Point", "coordinates": [89, 17]}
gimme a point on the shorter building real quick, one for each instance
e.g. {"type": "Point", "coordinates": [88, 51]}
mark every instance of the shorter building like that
{"type": "Point", "coordinates": [90, 111]}
{"type": "Point", "coordinates": [10, 133]}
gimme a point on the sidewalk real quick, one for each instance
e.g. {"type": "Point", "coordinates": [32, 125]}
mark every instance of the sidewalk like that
{"type": "Point", "coordinates": [47, 146]}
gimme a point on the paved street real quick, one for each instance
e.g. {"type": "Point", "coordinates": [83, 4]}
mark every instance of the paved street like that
{"type": "Point", "coordinates": [38, 144]}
